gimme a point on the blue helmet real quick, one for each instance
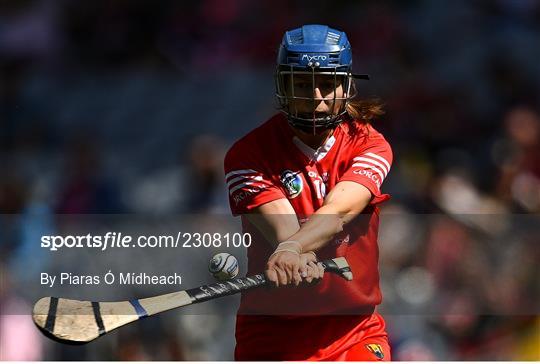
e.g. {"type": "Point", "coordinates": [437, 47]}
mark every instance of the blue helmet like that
{"type": "Point", "coordinates": [311, 54]}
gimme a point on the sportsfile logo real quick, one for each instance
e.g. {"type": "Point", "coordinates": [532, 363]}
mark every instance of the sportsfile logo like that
{"type": "Point", "coordinates": [307, 57]}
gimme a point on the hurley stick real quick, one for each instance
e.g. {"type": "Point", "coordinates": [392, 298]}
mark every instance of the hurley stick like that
{"type": "Point", "coordinates": [79, 322]}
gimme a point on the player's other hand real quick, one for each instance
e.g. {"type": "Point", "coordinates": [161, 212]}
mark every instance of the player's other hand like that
{"type": "Point", "coordinates": [283, 268]}
{"type": "Point", "coordinates": [288, 268]}
{"type": "Point", "coordinates": [310, 271]}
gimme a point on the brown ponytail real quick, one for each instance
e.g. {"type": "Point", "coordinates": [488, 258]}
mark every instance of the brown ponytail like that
{"type": "Point", "coordinates": [365, 110]}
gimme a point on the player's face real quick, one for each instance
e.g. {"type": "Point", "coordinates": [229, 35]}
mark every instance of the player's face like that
{"type": "Point", "coordinates": [320, 94]}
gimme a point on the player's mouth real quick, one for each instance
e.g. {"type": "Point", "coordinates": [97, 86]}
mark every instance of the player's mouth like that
{"type": "Point", "coordinates": [310, 115]}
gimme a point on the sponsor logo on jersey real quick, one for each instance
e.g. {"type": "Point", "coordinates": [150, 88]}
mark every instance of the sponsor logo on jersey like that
{"type": "Point", "coordinates": [318, 184]}
{"type": "Point", "coordinates": [242, 194]}
{"type": "Point", "coordinates": [344, 240]}
{"type": "Point", "coordinates": [376, 349]}
{"type": "Point", "coordinates": [292, 181]}
{"type": "Point", "coordinates": [374, 177]}
{"type": "Point", "coordinates": [373, 166]}
{"type": "Point", "coordinates": [325, 176]}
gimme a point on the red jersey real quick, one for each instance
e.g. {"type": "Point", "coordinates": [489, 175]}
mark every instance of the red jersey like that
{"type": "Point", "coordinates": [271, 163]}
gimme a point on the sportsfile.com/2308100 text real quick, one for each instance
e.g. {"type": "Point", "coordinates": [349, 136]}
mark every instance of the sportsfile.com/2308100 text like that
{"type": "Point", "coordinates": [121, 240]}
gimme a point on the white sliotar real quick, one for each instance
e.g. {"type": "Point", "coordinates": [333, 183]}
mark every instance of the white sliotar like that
{"type": "Point", "coordinates": [223, 266]}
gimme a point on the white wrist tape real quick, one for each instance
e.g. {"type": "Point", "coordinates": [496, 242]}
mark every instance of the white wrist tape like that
{"type": "Point", "coordinates": [288, 246]}
{"type": "Point", "coordinates": [283, 250]}
{"type": "Point", "coordinates": [291, 245]}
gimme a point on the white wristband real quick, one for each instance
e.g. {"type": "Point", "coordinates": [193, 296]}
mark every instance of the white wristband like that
{"type": "Point", "coordinates": [290, 244]}
{"type": "Point", "coordinates": [283, 250]}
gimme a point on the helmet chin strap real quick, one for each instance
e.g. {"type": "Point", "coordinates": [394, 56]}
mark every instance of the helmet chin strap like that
{"type": "Point", "coordinates": [321, 128]}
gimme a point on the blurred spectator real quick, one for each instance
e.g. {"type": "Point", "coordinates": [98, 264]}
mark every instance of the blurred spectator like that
{"type": "Point", "coordinates": [19, 339]}
{"type": "Point", "coordinates": [518, 159]}
{"type": "Point", "coordinates": [204, 187]}
{"type": "Point", "coordinates": [13, 197]}
{"type": "Point", "coordinates": [86, 189]}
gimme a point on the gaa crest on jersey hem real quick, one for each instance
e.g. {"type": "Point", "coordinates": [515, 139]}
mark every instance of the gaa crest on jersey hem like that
{"type": "Point", "coordinates": [292, 181]}
{"type": "Point", "coordinates": [376, 350]}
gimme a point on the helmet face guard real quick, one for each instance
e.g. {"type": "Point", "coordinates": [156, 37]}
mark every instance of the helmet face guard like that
{"type": "Point", "coordinates": [315, 57]}
{"type": "Point", "coordinates": [296, 86]}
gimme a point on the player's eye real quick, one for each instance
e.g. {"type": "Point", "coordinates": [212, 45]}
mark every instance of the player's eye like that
{"type": "Point", "coordinates": [327, 85]}
{"type": "Point", "coordinates": [302, 84]}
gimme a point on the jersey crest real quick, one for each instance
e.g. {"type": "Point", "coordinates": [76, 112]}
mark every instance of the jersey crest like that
{"type": "Point", "coordinates": [376, 349]}
{"type": "Point", "coordinates": [292, 181]}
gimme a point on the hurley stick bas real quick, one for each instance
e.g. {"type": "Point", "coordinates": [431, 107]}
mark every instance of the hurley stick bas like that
{"type": "Point", "coordinates": [79, 322]}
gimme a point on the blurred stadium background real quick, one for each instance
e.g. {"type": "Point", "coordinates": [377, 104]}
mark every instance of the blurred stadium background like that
{"type": "Point", "coordinates": [127, 107]}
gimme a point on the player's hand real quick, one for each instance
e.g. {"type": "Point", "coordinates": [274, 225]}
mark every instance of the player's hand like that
{"type": "Point", "coordinates": [283, 268]}
{"type": "Point", "coordinates": [311, 271]}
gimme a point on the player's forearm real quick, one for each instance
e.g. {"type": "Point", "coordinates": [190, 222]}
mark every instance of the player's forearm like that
{"type": "Point", "coordinates": [321, 228]}
{"type": "Point", "coordinates": [342, 204]}
{"type": "Point", "coordinates": [275, 228]}
{"type": "Point", "coordinates": [275, 220]}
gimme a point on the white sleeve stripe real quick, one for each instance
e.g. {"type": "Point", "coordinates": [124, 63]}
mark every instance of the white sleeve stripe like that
{"type": "Point", "coordinates": [367, 166]}
{"type": "Point", "coordinates": [374, 162]}
{"type": "Point", "coordinates": [245, 184]}
{"type": "Point", "coordinates": [240, 171]}
{"type": "Point", "coordinates": [243, 178]}
{"type": "Point", "coordinates": [380, 158]}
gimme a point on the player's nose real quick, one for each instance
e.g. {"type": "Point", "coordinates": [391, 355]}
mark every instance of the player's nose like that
{"type": "Point", "coordinates": [317, 94]}
{"type": "Point", "coordinates": [321, 106]}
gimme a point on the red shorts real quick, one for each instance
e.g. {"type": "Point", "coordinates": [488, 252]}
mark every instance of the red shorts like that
{"type": "Point", "coordinates": [312, 338]}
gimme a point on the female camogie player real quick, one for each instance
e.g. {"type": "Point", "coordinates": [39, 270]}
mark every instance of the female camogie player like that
{"type": "Point", "coordinates": [307, 185]}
